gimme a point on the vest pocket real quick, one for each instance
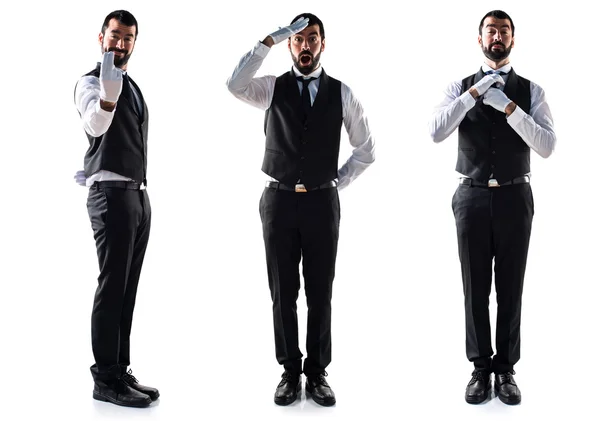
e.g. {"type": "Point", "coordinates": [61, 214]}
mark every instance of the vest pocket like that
{"type": "Point", "coordinates": [273, 151]}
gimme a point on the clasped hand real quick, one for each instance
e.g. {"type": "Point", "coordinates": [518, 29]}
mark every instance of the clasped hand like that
{"type": "Point", "coordinates": [497, 99]}
{"type": "Point", "coordinates": [487, 82]}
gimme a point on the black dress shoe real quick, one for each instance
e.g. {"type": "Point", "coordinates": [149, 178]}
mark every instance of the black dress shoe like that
{"type": "Point", "coordinates": [288, 388]}
{"type": "Point", "coordinates": [479, 387]}
{"type": "Point", "coordinates": [134, 384]}
{"type": "Point", "coordinates": [317, 387]}
{"type": "Point", "coordinates": [506, 388]}
{"type": "Point", "coordinates": [121, 394]}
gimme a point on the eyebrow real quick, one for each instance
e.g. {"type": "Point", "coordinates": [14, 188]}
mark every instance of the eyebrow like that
{"type": "Point", "coordinates": [116, 31]}
{"type": "Point", "coordinates": [494, 26]}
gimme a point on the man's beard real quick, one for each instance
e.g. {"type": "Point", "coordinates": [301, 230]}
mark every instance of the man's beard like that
{"type": "Point", "coordinates": [120, 61]}
{"type": "Point", "coordinates": [496, 55]}
{"type": "Point", "coordinates": [305, 70]}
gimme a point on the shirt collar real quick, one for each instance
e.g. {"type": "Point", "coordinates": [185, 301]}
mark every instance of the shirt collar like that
{"type": "Point", "coordinates": [315, 74]}
{"type": "Point", "coordinates": [506, 68]}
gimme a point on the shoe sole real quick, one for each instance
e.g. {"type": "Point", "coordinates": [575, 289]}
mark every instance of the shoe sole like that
{"type": "Point", "coordinates": [507, 401]}
{"type": "Point", "coordinates": [103, 398]}
{"type": "Point", "coordinates": [321, 402]}
{"type": "Point", "coordinates": [286, 402]}
{"type": "Point", "coordinates": [474, 400]}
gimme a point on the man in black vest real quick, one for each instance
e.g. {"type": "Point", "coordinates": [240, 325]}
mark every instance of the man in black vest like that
{"type": "Point", "coordinates": [299, 208]}
{"type": "Point", "coordinates": [115, 119]}
{"type": "Point", "coordinates": [500, 117]}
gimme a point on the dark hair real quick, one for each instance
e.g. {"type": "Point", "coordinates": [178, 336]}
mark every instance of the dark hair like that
{"type": "Point", "coordinates": [312, 20]}
{"type": "Point", "coordinates": [498, 14]}
{"type": "Point", "coordinates": [124, 17]}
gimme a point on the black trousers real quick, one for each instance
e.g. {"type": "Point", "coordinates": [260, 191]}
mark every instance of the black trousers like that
{"type": "Point", "coordinates": [493, 224]}
{"type": "Point", "coordinates": [301, 225]}
{"type": "Point", "coordinates": [121, 223]}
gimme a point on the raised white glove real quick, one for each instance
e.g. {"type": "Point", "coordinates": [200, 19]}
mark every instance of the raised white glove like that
{"type": "Point", "coordinates": [111, 78]}
{"type": "Point", "coordinates": [80, 177]}
{"type": "Point", "coordinates": [497, 99]}
{"type": "Point", "coordinates": [486, 82]}
{"type": "Point", "coordinates": [286, 32]}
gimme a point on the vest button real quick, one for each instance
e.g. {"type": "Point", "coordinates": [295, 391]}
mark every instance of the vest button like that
{"type": "Point", "coordinates": [493, 152]}
{"type": "Point", "coordinates": [301, 157]}
{"type": "Point", "coordinates": [493, 166]}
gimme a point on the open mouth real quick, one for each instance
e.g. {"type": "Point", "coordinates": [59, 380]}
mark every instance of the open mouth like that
{"type": "Point", "coordinates": [305, 59]}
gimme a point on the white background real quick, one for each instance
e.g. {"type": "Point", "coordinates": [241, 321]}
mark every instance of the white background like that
{"type": "Point", "coordinates": [202, 330]}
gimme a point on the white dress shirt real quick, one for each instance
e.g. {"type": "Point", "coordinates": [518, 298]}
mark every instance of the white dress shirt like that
{"type": "Point", "coordinates": [536, 128]}
{"type": "Point", "coordinates": [96, 121]}
{"type": "Point", "coordinates": [259, 93]}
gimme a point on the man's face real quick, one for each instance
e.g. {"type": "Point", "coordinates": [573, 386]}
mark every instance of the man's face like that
{"type": "Point", "coordinates": [496, 38]}
{"type": "Point", "coordinates": [306, 47]}
{"type": "Point", "coordinates": [120, 39]}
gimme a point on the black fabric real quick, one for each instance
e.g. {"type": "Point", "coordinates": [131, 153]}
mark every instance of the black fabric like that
{"type": "Point", "coordinates": [306, 104]}
{"type": "Point", "coordinates": [301, 226]}
{"type": "Point", "coordinates": [131, 98]}
{"type": "Point", "coordinates": [486, 143]}
{"type": "Point", "coordinates": [120, 219]}
{"type": "Point", "coordinates": [123, 148]}
{"type": "Point", "coordinates": [299, 148]}
{"type": "Point", "coordinates": [493, 225]}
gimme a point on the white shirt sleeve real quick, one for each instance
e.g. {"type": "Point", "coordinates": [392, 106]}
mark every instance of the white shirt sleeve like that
{"type": "Point", "coordinates": [257, 92]}
{"type": "Point", "coordinates": [96, 121]}
{"type": "Point", "coordinates": [536, 128]}
{"type": "Point", "coordinates": [360, 138]}
{"type": "Point", "coordinates": [448, 115]}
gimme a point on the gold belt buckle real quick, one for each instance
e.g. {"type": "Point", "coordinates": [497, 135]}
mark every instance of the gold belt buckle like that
{"type": "Point", "coordinates": [492, 182]}
{"type": "Point", "coordinates": [300, 188]}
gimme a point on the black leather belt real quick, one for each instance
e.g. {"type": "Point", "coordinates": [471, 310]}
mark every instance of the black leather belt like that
{"type": "Point", "coordinates": [129, 185]}
{"type": "Point", "coordinates": [492, 182]}
{"type": "Point", "coordinates": [299, 188]}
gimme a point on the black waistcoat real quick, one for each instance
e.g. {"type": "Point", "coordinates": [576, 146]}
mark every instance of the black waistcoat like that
{"type": "Point", "coordinates": [486, 143]}
{"type": "Point", "coordinates": [303, 150]}
{"type": "Point", "coordinates": [123, 148]}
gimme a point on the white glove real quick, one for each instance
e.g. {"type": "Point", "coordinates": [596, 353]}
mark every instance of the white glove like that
{"type": "Point", "coordinates": [497, 99]}
{"type": "Point", "coordinates": [111, 78]}
{"type": "Point", "coordinates": [80, 177]}
{"type": "Point", "coordinates": [286, 32]}
{"type": "Point", "coordinates": [486, 82]}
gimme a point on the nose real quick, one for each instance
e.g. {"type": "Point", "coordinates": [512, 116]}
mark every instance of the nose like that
{"type": "Point", "coordinates": [497, 36]}
{"type": "Point", "coordinates": [305, 45]}
{"type": "Point", "coordinates": [121, 44]}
